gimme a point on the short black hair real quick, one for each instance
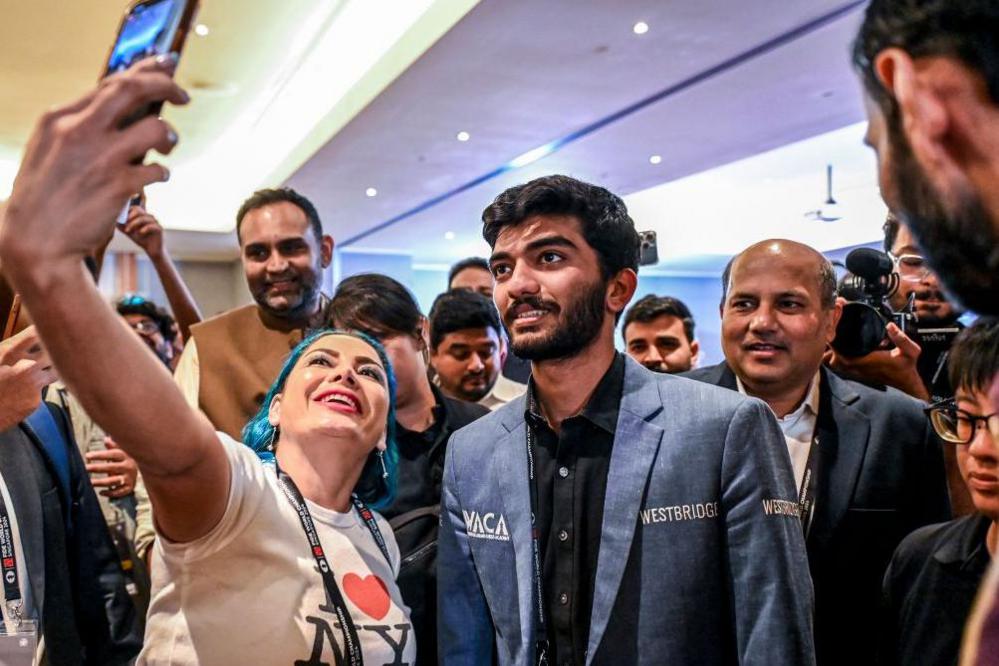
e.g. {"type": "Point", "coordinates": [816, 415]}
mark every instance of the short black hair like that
{"type": "Point", "coordinates": [890, 228]}
{"type": "Point", "coordinates": [967, 30]}
{"type": "Point", "coordinates": [374, 304]}
{"type": "Point", "coordinates": [651, 307]}
{"type": "Point", "coordinates": [826, 278]}
{"type": "Point", "coordinates": [459, 309]}
{"type": "Point", "coordinates": [266, 197]}
{"type": "Point", "coordinates": [974, 357]}
{"type": "Point", "coordinates": [602, 215]}
{"type": "Point", "coordinates": [471, 262]}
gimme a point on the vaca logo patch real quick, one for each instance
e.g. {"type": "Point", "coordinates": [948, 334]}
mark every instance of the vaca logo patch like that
{"type": "Point", "coordinates": [486, 526]}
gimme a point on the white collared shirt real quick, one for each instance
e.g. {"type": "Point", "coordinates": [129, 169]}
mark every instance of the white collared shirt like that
{"type": "Point", "coordinates": [503, 391]}
{"type": "Point", "coordinates": [798, 427]}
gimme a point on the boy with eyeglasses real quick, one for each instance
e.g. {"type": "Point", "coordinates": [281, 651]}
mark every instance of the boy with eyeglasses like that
{"type": "Point", "coordinates": [935, 573]}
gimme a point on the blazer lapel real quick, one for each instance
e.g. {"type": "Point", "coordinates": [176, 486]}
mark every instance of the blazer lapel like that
{"type": "Point", "coordinates": [19, 473]}
{"type": "Point", "coordinates": [636, 442]}
{"type": "Point", "coordinates": [511, 460]}
{"type": "Point", "coordinates": [725, 378]}
{"type": "Point", "coordinates": [842, 433]}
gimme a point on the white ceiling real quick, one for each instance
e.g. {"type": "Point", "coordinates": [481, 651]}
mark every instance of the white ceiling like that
{"type": "Point", "coordinates": [271, 81]}
{"type": "Point", "coordinates": [732, 79]}
{"type": "Point", "coordinates": [711, 83]}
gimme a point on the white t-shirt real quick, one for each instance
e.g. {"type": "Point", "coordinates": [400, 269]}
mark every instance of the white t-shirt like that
{"type": "Point", "coordinates": [249, 592]}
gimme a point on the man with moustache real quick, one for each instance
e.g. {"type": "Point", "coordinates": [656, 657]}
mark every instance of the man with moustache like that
{"type": "Point", "coordinates": [468, 348]}
{"type": "Point", "coordinates": [868, 467]}
{"type": "Point", "coordinates": [665, 525]}
{"type": "Point", "coordinates": [916, 365]}
{"type": "Point", "coordinates": [658, 332]}
{"type": "Point", "coordinates": [232, 359]}
{"type": "Point", "coordinates": [930, 70]}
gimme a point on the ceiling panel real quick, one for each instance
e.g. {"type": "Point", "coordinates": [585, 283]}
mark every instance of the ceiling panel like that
{"type": "Point", "coordinates": [517, 75]}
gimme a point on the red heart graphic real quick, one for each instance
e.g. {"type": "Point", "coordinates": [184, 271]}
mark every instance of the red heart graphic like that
{"type": "Point", "coordinates": [368, 593]}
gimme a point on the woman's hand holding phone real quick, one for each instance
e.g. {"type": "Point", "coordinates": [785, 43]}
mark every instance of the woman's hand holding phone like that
{"type": "Point", "coordinates": [79, 167]}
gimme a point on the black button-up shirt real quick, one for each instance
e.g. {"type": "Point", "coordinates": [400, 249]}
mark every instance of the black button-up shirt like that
{"type": "Point", "coordinates": [572, 481]}
{"type": "Point", "coordinates": [418, 486]}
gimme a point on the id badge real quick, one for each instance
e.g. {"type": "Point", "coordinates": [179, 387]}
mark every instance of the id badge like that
{"type": "Point", "coordinates": [19, 644]}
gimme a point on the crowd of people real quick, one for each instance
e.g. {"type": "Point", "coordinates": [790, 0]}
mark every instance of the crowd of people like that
{"type": "Point", "coordinates": [345, 479]}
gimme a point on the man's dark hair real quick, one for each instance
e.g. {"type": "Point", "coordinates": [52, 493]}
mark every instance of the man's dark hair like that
{"type": "Point", "coordinates": [651, 307]}
{"type": "Point", "coordinates": [374, 304]}
{"type": "Point", "coordinates": [891, 227]}
{"type": "Point", "coordinates": [974, 356]}
{"type": "Point", "coordinates": [471, 262]}
{"type": "Point", "coordinates": [602, 215]}
{"type": "Point", "coordinates": [967, 30]}
{"type": "Point", "coordinates": [826, 278]}
{"type": "Point", "coordinates": [459, 309]}
{"type": "Point", "coordinates": [262, 198]}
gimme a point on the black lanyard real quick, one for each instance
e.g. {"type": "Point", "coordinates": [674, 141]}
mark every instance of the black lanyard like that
{"type": "Point", "coordinates": [8, 564]}
{"type": "Point", "coordinates": [351, 643]}
{"type": "Point", "coordinates": [541, 647]}
{"type": "Point", "coordinates": [806, 493]}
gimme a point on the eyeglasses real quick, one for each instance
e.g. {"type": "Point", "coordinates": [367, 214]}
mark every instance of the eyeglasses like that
{"type": "Point", "coordinates": [911, 267]}
{"type": "Point", "coordinates": [145, 326]}
{"type": "Point", "coordinates": [958, 426]}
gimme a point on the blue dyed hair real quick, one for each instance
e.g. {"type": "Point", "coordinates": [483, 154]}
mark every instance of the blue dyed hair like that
{"type": "Point", "coordinates": [376, 491]}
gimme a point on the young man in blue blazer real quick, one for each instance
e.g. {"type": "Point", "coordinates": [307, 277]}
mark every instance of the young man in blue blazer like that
{"type": "Point", "coordinates": [666, 524]}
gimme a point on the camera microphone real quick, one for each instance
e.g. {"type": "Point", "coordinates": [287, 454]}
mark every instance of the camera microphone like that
{"type": "Point", "coordinates": [869, 264]}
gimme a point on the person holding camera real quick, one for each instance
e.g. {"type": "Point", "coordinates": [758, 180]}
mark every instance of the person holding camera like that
{"type": "Point", "coordinates": [867, 465]}
{"type": "Point", "coordinates": [915, 363]}
{"type": "Point", "coordinates": [935, 573]}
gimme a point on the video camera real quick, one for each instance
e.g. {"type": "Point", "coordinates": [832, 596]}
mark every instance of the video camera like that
{"type": "Point", "coordinates": [862, 327]}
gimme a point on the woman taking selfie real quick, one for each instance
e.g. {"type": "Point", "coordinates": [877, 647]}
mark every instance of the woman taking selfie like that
{"type": "Point", "coordinates": [256, 563]}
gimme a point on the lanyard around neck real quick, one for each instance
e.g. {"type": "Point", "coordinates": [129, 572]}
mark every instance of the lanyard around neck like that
{"type": "Point", "coordinates": [8, 565]}
{"type": "Point", "coordinates": [541, 647]}
{"type": "Point", "coordinates": [352, 644]}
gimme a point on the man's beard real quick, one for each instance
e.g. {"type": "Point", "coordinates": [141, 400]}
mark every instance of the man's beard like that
{"type": "Point", "coordinates": [302, 310]}
{"type": "Point", "coordinates": [961, 244]}
{"type": "Point", "coordinates": [577, 326]}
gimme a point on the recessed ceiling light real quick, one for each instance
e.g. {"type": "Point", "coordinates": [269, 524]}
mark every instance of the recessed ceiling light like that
{"type": "Point", "coordinates": [655, 159]}
{"type": "Point", "coordinates": [463, 136]}
{"type": "Point", "coordinates": [371, 192]}
{"type": "Point", "coordinates": [448, 235]}
{"type": "Point", "coordinates": [641, 28]}
{"type": "Point", "coordinates": [201, 30]}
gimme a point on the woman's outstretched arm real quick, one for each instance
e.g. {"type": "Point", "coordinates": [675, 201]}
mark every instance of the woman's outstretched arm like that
{"type": "Point", "coordinates": [79, 168]}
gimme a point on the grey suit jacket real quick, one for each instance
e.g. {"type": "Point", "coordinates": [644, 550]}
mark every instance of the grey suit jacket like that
{"type": "Point", "coordinates": [701, 557]}
{"type": "Point", "coordinates": [880, 476]}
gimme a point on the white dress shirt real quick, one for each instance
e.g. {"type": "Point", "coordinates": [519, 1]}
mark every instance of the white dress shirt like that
{"type": "Point", "coordinates": [799, 427]}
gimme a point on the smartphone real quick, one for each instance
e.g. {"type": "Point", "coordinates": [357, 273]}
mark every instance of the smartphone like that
{"type": "Point", "coordinates": [150, 28]}
{"type": "Point", "coordinates": [648, 249]}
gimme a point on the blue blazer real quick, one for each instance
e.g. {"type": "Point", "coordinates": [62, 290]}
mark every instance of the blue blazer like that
{"type": "Point", "coordinates": [701, 559]}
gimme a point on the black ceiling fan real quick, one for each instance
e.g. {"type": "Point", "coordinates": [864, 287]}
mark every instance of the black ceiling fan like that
{"type": "Point", "coordinates": [828, 211]}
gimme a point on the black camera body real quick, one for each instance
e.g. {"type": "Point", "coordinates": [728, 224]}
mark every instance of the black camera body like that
{"type": "Point", "coordinates": [862, 328]}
